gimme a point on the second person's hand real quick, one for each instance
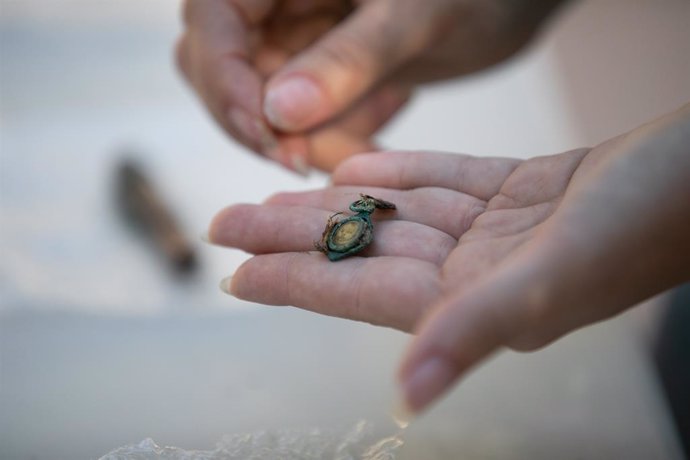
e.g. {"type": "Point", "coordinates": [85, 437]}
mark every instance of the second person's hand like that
{"type": "Point", "coordinates": [309, 82]}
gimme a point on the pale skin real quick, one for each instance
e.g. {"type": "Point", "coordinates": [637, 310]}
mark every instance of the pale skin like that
{"type": "Point", "coordinates": [307, 83]}
{"type": "Point", "coordinates": [482, 253]}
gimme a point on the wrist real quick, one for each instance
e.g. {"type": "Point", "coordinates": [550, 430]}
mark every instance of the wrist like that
{"type": "Point", "coordinates": [624, 232]}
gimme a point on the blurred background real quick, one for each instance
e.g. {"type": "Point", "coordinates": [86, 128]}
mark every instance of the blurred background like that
{"type": "Point", "coordinates": [102, 343]}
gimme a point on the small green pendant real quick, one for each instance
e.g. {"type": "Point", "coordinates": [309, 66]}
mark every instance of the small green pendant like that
{"type": "Point", "coordinates": [348, 236]}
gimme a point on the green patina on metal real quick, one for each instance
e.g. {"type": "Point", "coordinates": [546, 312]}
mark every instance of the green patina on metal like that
{"type": "Point", "coordinates": [347, 236]}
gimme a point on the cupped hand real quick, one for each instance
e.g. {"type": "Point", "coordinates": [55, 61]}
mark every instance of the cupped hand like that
{"type": "Point", "coordinates": [310, 82]}
{"type": "Point", "coordinates": [482, 253]}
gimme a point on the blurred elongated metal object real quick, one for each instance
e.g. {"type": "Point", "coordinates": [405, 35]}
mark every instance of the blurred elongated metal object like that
{"type": "Point", "coordinates": [143, 207]}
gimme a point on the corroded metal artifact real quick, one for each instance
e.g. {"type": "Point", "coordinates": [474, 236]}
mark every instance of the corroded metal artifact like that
{"type": "Point", "coordinates": [347, 236]}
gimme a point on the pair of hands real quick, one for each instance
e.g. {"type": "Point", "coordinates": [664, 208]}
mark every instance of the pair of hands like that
{"type": "Point", "coordinates": [482, 253]}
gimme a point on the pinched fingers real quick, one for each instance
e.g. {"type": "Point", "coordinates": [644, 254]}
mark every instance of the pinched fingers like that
{"type": "Point", "coordinates": [227, 52]}
{"type": "Point", "coordinates": [271, 229]}
{"type": "Point", "coordinates": [328, 145]}
{"type": "Point", "coordinates": [385, 291]}
{"type": "Point", "coordinates": [352, 133]}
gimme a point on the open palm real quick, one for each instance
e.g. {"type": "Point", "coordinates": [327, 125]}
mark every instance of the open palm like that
{"type": "Point", "coordinates": [481, 253]}
{"type": "Point", "coordinates": [458, 218]}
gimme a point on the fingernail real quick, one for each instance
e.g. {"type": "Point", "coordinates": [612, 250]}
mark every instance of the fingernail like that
{"type": "Point", "coordinates": [426, 382]}
{"type": "Point", "coordinates": [292, 101]}
{"type": "Point", "coordinates": [255, 131]}
{"type": "Point", "coordinates": [226, 284]}
{"type": "Point", "coordinates": [300, 165]}
{"type": "Point", "coordinates": [401, 413]}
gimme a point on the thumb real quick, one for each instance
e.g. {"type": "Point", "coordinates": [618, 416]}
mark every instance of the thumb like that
{"type": "Point", "coordinates": [327, 78]}
{"type": "Point", "coordinates": [463, 330]}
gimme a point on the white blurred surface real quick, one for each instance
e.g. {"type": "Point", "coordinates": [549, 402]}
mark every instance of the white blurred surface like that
{"type": "Point", "coordinates": [78, 386]}
{"type": "Point", "coordinates": [78, 87]}
{"type": "Point", "coordinates": [99, 346]}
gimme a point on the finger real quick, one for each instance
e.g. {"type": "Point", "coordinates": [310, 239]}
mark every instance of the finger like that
{"type": "Point", "coordinates": [372, 112]}
{"type": "Point", "coordinates": [298, 8]}
{"type": "Point", "coordinates": [479, 177]}
{"type": "Point", "coordinates": [463, 330]}
{"type": "Point", "coordinates": [268, 229]}
{"type": "Point", "coordinates": [329, 145]}
{"type": "Point", "coordinates": [269, 59]}
{"type": "Point", "coordinates": [446, 210]}
{"type": "Point", "coordinates": [330, 76]}
{"type": "Point", "coordinates": [294, 32]}
{"type": "Point", "coordinates": [287, 35]}
{"type": "Point", "coordinates": [323, 149]}
{"type": "Point", "coordinates": [217, 58]}
{"type": "Point", "coordinates": [386, 291]}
